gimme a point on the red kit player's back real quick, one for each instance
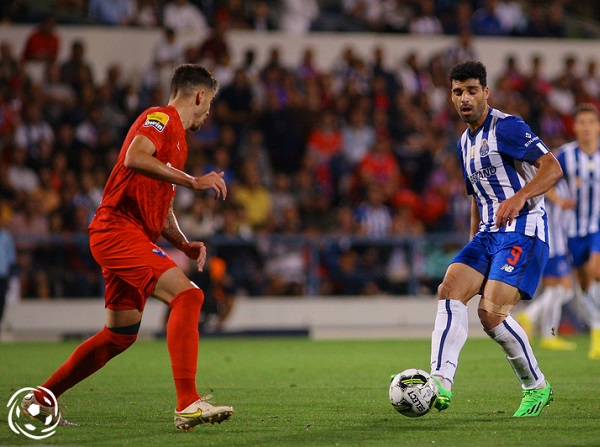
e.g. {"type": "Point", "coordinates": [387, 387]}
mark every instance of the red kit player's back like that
{"type": "Point", "coordinates": [133, 196]}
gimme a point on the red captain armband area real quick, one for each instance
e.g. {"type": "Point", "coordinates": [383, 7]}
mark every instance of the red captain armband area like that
{"type": "Point", "coordinates": [158, 120]}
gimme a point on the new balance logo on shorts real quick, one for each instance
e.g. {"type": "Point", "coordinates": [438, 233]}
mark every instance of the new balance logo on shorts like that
{"type": "Point", "coordinates": [507, 268]}
{"type": "Point", "coordinates": [159, 252]}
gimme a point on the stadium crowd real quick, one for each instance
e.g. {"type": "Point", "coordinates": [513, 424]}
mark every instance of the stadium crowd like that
{"type": "Point", "coordinates": [341, 158]}
{"type": "Point", "coordinates": [482, 17]}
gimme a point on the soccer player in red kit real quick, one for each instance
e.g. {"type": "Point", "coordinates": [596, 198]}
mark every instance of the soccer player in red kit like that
{"type": "Point", "coordinates": [136, 209]}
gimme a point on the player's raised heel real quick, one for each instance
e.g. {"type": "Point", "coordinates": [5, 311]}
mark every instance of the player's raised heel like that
{"type": "Point", "coordinates": [36, 410]}
{"type": "Point", "coordinates": [444, 397]}
{"type": "Point", "coordinates": [201, 412]}
{"type": "Point", "coordinates": [534, 401]}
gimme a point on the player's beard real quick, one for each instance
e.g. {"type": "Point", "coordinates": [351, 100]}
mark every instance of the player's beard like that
{"type": "Point", "coordinates": [472, 117]}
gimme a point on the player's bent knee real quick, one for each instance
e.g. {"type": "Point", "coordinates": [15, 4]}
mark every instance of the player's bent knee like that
{"type": "Point", "coordinates": [122, 338]}
{"type": "Point", "coordinates": [446, 291]}
{"type": "Point", "coordinates": [492, 314]}
{"type": "Point", "coordinates": [193, 297]}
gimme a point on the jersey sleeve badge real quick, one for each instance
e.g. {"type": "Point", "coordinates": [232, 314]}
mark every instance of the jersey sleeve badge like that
{"type": "Point", "coordinates": [158, 120]}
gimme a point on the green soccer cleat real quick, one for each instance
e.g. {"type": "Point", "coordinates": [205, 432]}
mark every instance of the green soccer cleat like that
{"type": "Point", "coordinates": [444, 397]}
{"type": "Point", "coordinates": [534, 401]}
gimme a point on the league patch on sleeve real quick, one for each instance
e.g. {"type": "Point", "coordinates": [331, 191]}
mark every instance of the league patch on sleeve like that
{"type": "Point", "coordinates": [158, 120]}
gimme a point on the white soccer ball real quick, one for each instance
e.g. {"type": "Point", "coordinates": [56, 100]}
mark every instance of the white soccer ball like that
{"type": "Point", "coordinates": [413, 392]}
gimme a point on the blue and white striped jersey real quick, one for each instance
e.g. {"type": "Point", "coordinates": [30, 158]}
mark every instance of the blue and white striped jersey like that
{"type": "Point", "coordinates": [582, 173]}
{"type": "Point", "coordinates": [497, 162]}
{"type": "Point", "coordinates": [558, 221]}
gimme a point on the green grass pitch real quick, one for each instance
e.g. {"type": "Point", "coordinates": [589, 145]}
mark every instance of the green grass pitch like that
{"type": "Point", "coordinates": [298, 392]}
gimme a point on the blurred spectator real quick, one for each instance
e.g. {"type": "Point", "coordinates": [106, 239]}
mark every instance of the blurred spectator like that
{"type": "Point", "coordinates": [183, 16]}
{"type": "Point", "coordinates": [214, 45]}
{"type": "Point", "coordinates": [571, 71]}
{"type": "Point", "coordinates": [462, 50]}
{"type": "Point", "coordinates": [515, 79]}
{"type": "Point", "coordinates": [221, 162]}
{"type": "Point", "coordinates": [28, 223]}
{"type": "Point", "coordinates": [536, 21]}
{"type": "Point", "coordinates": [297, 16]}
{"type": "Point", "coordinates": [285, 260]}
{"type": "Point", "coordinates": [21, 177]}
{"type": "Point", "coordinates": [307, 68]}
{"type": "Point", "coordinates": [76, 70]}
{"type": "Point", "coordinates": [9, 66]}
{"type": "Point", "coordinates": [221, 296]}
{"type": "Point", "coordinates": [253, 148]}
{"type": "Point", "coordinates": [243, 263]}
{"type": "Point", "coordinates": [283, 139]}
{"type": "Point", "coordinates": [45, 193]}
{"type": "Point", "coordinates": [201, 220]}
{"type": "Point", "coordinates": [147, 13]}
{"type": "Point", "coordinates": [411, 75]}
{"type": "Point", "coordinates": [357, 137]}
{"type": "Point", "coordinates": [314, 206]}
{"type": "Point", "coordinates": [325, 141]}
{"type": "Point", "coordinates": [373, 216]}
{"type": "Point", "coordinates": [281, 197]}
{"type": "Point", "coordinates": [345, 272]}
{"type": "Point", "coordinates": [512, 18]}
{"type": "Point", "coordinates": [253, 196]}
{"type": "Point", "coordinates": [87, 132]}
{"type": "Point", "coordinates": [34, 134]}
{"type": "Point", "coordinates": [485, 21]}
{"type": "Point", "coordinates": [43, 43]}
{"type": "Point", "coordinates": [591, 79]}
{"type": "Point", "coordinates": [401, 261]}
{"type": "Point", "coordinates": [561, 97]}
{"type": "Point", "coordinates": [379, 169]}
{"type": "Point", "coordinates": [112, 12]}
{"type": "Point", "coordinates": [425, 20]}
{"type": "Point", "coordinates": [56, 94]}
{"type": "Point", "coordinates": [232, 14]}
{"type": "Point", "coordinates": [167, 54]}
{"type": "Point", "coordinates": [379, 66]}
{"type": "Point", "coordinates": [362, 15]}
{"type": "Point", "coordinates": [396, 15]}
{"type": "Point", "coordinates": [260, 19]}
{"type": "Point", "coordinates": [459, 19]}
{"type": "Point", "coordinates": [556, 25]}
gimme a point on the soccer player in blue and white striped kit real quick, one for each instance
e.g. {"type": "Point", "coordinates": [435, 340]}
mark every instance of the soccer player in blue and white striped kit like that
{"type": "Point", "coordinates": [507, 170]}
{"type": "Point", "coordinates": [580, 161]}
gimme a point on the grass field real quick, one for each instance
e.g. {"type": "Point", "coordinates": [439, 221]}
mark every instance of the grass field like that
{"type": "Point", "coordinates": [297, 392]}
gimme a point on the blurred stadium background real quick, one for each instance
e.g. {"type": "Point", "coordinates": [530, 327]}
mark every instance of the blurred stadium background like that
{"type": "Point", "coordinates": [333, 126]}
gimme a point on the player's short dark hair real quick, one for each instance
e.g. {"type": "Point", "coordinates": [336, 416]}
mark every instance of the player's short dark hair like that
{"type": "Point", "coordinates": [469, 70]}
{"type": "Point", "coordinates": [188, 77]}
{"type": "Point", "coordinates": [587, 107]}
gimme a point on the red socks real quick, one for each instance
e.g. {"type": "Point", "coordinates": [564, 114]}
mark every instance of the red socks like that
{"type": "Point", "coordinates": [88, 358]}
{"type": "Point", "coordinates": [182, 342]}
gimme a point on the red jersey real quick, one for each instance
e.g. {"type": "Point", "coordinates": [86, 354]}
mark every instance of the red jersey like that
{"type": "Point", "coordinates": [132, 196]}
{"type": "Point", "coordinates": [41, 46]}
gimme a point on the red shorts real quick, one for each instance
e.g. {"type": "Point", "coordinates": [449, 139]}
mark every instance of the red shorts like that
{"type": "Point", "coordinates": [131, 265]}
